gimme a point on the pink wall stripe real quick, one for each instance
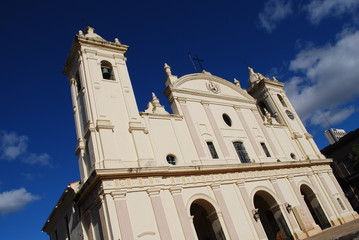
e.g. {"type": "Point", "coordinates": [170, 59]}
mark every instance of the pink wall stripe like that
{"type": "Point", "coordinates": [160, 216]}
{"type": "Point", "coordinates": [192, 130]}
{"type": "Point", "coordinates": [184, 218]}
{"type": "Point", "coordinates": [123, 218]}
{"type": "Point", "coordinates": [215, 128]}
{"type": "Point", "coordinates": [227, 217]}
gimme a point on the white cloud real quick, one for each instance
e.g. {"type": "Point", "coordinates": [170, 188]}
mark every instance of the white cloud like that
{"type": "Point", "coordinates": [42, 159]}
{"type": "Point", "coordinates": [12, 145]}
{"type": "Point", "coordinates": [14, 200]}
{"type": "Point", "coordinates": [330, 78]}
{"type": "Point", "coordinates": [319, 9]}
{"type": "Point", "coordinates": [329, 118]}
{"type": "Point", "coordinates": [274, 11]}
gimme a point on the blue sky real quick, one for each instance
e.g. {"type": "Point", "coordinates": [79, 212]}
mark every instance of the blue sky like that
{"type": "Point", "coordinates": [310, 45]}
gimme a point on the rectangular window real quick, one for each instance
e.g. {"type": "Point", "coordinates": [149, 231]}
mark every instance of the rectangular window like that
{"type": "Point", "coordinates": [212, 150]}
{"type": "Point", "coordinates": [265, 149]}
{"type": "Point", "coordinates": [241, 151]}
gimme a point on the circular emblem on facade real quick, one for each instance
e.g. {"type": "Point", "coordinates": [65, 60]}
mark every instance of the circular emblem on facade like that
{"type": "Point", "coordinates": [213, 87]}
{"type": "Point", "coordinates": [289, 114]}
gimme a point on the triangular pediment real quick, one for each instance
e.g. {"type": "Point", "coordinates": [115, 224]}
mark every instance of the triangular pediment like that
{"type": "Point", "coordinates": [209, 85]}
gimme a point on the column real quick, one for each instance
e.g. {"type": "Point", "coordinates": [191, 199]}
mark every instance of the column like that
{"type": "Point", "coordinates": [320, 198]}
{"type": "Point", "coordinates": [226, 215]}
{"type": "Point", "coordinates": [104, 223]}
{"type": "Point", "coordinates": [216, 131]}
{"type": "Point", "coordinates": [249, 206]}
{"type": "Point", "coordinates": [266, 135]}
{"type": "Point", "coordinates": [248, 132]}
{"type": "Point", "coordinates": [123, 215]}
{"type": "Point", "coordinates": [192, 129]}
{"type": "Point", "coordinates": [187, 229]}
{"type": "Point", "coordinates": [291, 218]}
{"type": "Point", "coordinates": [160, 215]}
{"type": "Point", "coordinates": [305, 215]}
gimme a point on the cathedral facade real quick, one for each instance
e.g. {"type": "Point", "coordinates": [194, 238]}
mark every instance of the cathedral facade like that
{"type": "Point", "coordinates": [228, 163]}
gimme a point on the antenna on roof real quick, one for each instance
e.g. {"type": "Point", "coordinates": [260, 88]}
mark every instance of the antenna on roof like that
{"type": "Point", "coordinates": [326, 119]}
{"type": "Point", "coordinates": [194, 66]}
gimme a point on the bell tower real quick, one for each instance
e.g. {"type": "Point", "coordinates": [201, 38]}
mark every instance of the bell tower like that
{"type": "Point", "coordinates": [273, 101]}
{"type": "Point", "coordinates": [106, 115]}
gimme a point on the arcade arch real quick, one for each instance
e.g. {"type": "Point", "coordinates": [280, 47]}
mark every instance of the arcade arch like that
{"type": "Point", "coordinates": [271, 217]}
{"type": "Point", "coordinates": [205, 221]}
{"type": "Point", "coordinates": [314, 206]}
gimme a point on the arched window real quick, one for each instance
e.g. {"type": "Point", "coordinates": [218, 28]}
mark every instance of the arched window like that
{"type": "Point", "coordinates": [262, 106]}
{"type": "Point", "coordinates": [78, 82]}
{"type": "Point", "coordinates": [171, 159]}
{"type": "Point", "coordinates": [106, 70]}
{"type": "Point", "coordinates": [281, 100]}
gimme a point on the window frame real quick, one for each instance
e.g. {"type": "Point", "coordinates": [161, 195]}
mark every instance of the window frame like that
{"type": "Point", "coordinates": [241, 151]}
{"type": "Point", "coordinates": [107, 65]}
{"type": "Point", "coordinates": [212, 150]}
{"type": "Point", "coordinates": [172, 161]}
{"type": "Point", "coordinates": [265, 149]}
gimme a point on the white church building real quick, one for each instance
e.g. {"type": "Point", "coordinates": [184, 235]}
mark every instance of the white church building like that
{"type": "Point", "coordinates": [228, 163]}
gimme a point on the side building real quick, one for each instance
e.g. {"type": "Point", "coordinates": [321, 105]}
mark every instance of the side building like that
{"type": "Point", "coordinates": [345, 155]}
{"type": "Point", "coordinates": [227, 164]}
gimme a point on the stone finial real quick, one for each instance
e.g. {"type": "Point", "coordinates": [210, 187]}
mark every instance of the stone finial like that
{"type": "Point", "coordinates": [236, 82]}
{"type": "Point", "coordinates": [117, 41]}
{"type": "Point", "coordinates": [167, 69]}
{"type": "Point", "coordinates": [155, 101]}
{"type": "Point", "coordinates": [253, 77]}
{"type": "Point", "coordinates": [250, 70]}
{"type": "Point", "coordinates": [90, 29]}
{"type": "Point", "coordinates": [274, 79]}
{"type": "Point", "coordinates": [81, 33]}
{"type": "Point", "coordinates": [155, 107]}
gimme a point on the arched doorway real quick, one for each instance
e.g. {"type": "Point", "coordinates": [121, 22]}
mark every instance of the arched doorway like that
{"type": "Point", "coordinates": [271, 217]}
{"type": "Point", "coordinates": [314, 207]}
{"type": "Point", "coordinates": [205, 221]}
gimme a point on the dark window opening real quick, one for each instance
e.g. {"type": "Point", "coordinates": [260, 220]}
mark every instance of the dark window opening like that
{"type": "Point", "coordinates": [241, 151]}
{"type": "Point", "coordinates": [78, 82]}
{"type": "Point", "coordinates": [292, 155]}
{"type": "Point", "coordinates": [227, 119]}
{"type": "Point", "coordinates": [106, 70]}
{"type": "Point", "coordinates": [212, 150]}
{"type": "Point", "coordinates": [265, 149]}
{"type": "Point", "coordinates": [281, 100]}
{"type": "Point", "coordinates": [263, 108]}
{"type": "Point", "coordinates": [171, 159]}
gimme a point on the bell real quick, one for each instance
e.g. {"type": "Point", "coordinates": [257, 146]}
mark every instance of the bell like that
{"type": "Point", "coordinates": [106, 73]}
{"type": "Point", "coordinates": [105, 70]}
